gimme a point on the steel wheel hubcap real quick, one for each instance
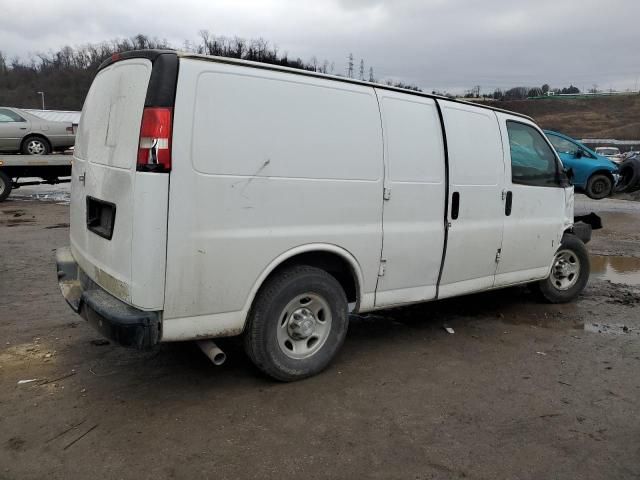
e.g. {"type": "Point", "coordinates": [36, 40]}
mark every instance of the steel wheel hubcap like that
{"type": "Point", "coordinates": [35, 147]}
{"type": "Point", "coordinates": [304, 326]}
{"type": "Point", "coordinates": [599, 186]}
{"type": "Point", "coordinates": [565, 270]}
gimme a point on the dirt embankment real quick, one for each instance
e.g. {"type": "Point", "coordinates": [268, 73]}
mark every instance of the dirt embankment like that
{"type": "Point", "coordinates": [598, 117]}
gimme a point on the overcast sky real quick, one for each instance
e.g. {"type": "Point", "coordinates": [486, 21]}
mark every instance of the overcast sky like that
{"type": "Point", "coordinates": [436, 44]}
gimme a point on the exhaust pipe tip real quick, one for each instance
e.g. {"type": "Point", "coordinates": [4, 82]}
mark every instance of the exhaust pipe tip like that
{"type": "Point", "coordinates": [212, 351]}
{"type": "Point", "coordinates": [219, 358]}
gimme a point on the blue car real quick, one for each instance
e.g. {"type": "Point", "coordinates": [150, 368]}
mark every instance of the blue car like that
{"type": "Point", "coordinates": [593, 174]}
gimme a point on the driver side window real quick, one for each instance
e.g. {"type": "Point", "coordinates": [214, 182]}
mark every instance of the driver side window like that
{"type": "Point", "coordinates": [533, 162]}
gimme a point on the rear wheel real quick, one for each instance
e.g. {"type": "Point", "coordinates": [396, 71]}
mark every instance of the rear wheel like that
{"type": "Point", "coordinates": [569, 272]}
{"type": "Point", "coordinates": [5, 186]}
{"type": "Point", "coordinates": [297, 324]}
{"type": "Point", "coordinates": [35, 146]}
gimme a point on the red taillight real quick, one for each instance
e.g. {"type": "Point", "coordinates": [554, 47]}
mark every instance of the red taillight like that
{"type": "Point", "coordinates": [154, 149]}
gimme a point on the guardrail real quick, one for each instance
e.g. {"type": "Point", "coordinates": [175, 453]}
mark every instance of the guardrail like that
{"type": "Point", "coordinates": [610, 141]}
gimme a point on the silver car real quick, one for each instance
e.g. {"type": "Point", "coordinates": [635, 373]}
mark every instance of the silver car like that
{"type": "Point", "coordinates": [31, 135]}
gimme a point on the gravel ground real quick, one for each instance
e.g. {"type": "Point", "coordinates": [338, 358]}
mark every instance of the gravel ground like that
{"type": "Point", "coordinates": [521, 390]}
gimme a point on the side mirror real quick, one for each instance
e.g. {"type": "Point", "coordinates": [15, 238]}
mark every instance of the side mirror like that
{"type": "Point", "coordinates": [566, 175]}
{"type": "Point", "coordinates": [578, 153]}
{"type": "Point", "coordinates": [569, 173]}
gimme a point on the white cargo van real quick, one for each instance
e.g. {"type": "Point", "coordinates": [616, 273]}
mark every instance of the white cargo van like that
{"type": "Point", "coordinates": [214, 197]}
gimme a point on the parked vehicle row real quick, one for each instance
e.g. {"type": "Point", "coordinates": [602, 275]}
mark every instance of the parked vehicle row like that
{"type": "Point", "coordinates": [597, 173]}
{"type": "Point", "coordinates": [223, 197]}
{"type": "Point", "coordinates": [612, 153]}
{"type": "Point", "coordinates": [593, 174]}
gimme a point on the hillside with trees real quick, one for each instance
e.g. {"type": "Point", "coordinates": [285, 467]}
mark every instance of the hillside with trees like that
{"type": "Point", "coordinates": [65, 76]}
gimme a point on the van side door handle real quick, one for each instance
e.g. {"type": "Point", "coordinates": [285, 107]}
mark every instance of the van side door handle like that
{"type": "Point", "coordinates": [508, 202]}
{"type": "Point", "coordinates": [455, 205]}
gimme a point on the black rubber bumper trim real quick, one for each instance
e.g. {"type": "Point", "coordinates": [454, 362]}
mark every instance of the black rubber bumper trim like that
{"type": "Point", "coordinates": [122, 323]}
{"type": "Point", "coordinates": [119, 322]}
{"type": "Point", "coordinates": [582, 231]}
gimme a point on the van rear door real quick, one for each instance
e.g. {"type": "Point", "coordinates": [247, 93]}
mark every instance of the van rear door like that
{"type": "Point", "coordinates": [118, 213]}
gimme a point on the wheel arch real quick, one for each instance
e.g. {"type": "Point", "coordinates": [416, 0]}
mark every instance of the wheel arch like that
{"type": "Point", "coordinates": [333, 259]}
{"type": "Point", "coordinates": [600, 171]}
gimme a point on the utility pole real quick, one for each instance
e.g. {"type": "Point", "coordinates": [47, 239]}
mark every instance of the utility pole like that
{"type": "Point", "coordinates": [350, 66]}
{"type": "Point", "coordinates": [42, 96]}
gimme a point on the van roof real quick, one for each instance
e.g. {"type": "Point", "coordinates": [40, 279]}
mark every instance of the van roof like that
{"type": "Point", "coordinates": [153, 54]}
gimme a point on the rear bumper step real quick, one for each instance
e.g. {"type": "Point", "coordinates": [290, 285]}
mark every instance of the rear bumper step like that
{"type": "Point", "coordinates": [122, 323]}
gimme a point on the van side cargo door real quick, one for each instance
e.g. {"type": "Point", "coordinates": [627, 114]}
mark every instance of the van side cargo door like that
{"type": "Point", "coordinates": [414, 198]}
{"type": "Point", "coordinates": [475, 208]}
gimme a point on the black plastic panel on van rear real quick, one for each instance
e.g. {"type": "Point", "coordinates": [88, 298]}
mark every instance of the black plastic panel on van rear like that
{"type": "Point", "coordinates": [164, 76]}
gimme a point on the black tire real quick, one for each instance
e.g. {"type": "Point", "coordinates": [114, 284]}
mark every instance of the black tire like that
{"type": "Point", "coordinates": [271, 317]}
{"type": "Point", "coordinates": [552, 288]}
{"type": "Point", "coordinates": [629, 176]}
{"type": "Point", "coordinates": [599, 186]}
{"type": "Point", "coordinates": [35, 146]}
{"type": "Point", "coordinates": [6, 185]}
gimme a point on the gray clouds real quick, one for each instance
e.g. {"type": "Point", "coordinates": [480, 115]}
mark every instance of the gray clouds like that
{"type": "Point", "coordinates": [436, 44]}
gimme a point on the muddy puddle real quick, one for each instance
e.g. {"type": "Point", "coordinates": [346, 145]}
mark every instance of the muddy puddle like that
{"type": "Point", "coordinates": [617, 269]}
{"type": "Point", "coordinates": [48, 193]}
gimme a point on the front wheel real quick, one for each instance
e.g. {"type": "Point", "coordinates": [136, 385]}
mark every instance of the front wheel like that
{"type": "Point", "coordinates": [297, 324]}
{"type": "Point", "coordinates": [5, 186]}
{"type": "Point", "coordinates": [569, 272]}
{"type": "Point", "coordinates": [599, 186]}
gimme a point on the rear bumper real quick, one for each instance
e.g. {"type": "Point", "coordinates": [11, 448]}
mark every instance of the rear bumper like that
{"type": "Point", "coordinates": [122, 323]}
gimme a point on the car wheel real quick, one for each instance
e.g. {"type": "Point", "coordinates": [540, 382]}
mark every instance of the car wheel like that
{"type": "Point", "coordinates": [297, 324]}
{"type": "Point", "coordinates": [35, 146]}
{"type": "Point", "coordinates": [5, 186]}
{"type": "Point", "coordinates": [599, 186]}
{"type": "Point", "coordinates": [629, 176]}
{"type": "Point", "coordinates": [569, 272]}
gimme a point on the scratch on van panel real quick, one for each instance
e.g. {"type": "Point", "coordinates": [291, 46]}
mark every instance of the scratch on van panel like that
{"type": "Point", "coordinates": [250, 179]}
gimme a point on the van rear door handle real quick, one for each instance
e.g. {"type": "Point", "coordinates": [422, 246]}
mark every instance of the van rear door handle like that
{"type": "Point", "coordinates": [507, 205]}
{"type": "Point", "coordinates": [455, 205]}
